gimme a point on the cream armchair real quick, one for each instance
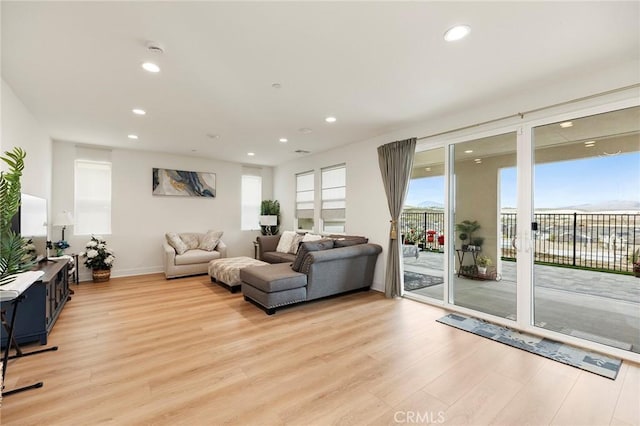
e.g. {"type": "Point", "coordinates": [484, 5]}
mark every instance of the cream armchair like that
{"type": "Point", "coordinates": [192, 261]}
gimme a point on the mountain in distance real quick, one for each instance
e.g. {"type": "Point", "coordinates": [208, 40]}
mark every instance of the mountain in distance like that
{"type": "Point", "coordinates": [622, 206]}
{"type": "Point", "coordinates": [612, 205]}
{"type": "Point", "coordinates": [602, 206]}
{"type": "Point", "coordinates": [426, 205]}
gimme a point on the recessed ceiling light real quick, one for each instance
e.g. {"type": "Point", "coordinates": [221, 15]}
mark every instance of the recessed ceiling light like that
{"type": "Point", "coordinates": [456, 33]}
{"type": "Point", "coordinates": [330, 119]}
{"type": "Point", "coordinates": [428, 169]}
{"type": "Point", "coordinates": [284, 140]}
{"type": "Point", "coordinates": [132, 136]}
{"type": "Point", "coordinates": [276, 85]}
{"type": "Point", "coordinates": [477, 160]}
{"type": "Point", "coordinates": [213, 136]}
{"type": "Point", "coordinates": [138, 111]}
{"type": "Point", "coordinates": [151, 67]}
{"type": "Point", "coordinates": [305, 130]}
{"type": "Point", "coordinates": [589, 144]}
{"type": "Point", "coordinates": [566, 124]}
{"type": "Point", "coordinates": [251, 154]}
{"type": "Point", "coordinates": [469, 151]}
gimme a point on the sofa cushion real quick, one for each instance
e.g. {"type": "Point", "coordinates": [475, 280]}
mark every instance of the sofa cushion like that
{"type": "Point", "coordinates": [307, 247]}
{"type": "Point", "coordinates": [191, 239]}
{"type": "Point", "coordinates": [275, 257]}
{"type": "Point", "coordinates": [176, 242]}
{"type": "Point", "coordinates": [295, 243]}
{"type": "Point", "coordinates": [272, 278]}
{"type": "Point", "coordinates": [350, 241]}
{"type": "Point", "coordinates": [210, 240]}
{"type": "Point", "coordinates": [191, 257]}
{"type": "Point", "coordinates": [311, 237]}
{"type": "Point", "coordinates": [284, 245]}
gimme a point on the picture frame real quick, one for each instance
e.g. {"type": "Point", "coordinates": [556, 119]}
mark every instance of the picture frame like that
{"type": "Point", "coordinates": [182, 183]}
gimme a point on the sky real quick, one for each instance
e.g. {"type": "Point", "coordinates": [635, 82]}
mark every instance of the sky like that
{"type": "Point", "coordinates": [559, 184]}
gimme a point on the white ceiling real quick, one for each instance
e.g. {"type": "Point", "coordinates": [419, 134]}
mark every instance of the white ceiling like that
{"type": "Point", "coordinates": [376, 66]}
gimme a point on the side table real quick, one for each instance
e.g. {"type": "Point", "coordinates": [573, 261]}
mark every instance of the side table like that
{"type": "Point", "coordinates": [73, 273]}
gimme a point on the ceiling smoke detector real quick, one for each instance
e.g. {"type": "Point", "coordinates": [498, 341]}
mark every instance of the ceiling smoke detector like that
{"type": "Point", "coordinates": [155, 47]}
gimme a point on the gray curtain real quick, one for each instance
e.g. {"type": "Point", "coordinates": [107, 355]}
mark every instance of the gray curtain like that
{"type": "Point", "coordinates": [396, 162]}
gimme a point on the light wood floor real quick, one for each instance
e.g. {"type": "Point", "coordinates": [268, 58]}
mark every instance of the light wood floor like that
{"type": "Point", "coordinates": [143, 350]}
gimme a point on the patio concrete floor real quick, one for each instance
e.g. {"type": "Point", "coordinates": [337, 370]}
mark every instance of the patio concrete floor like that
{"type": "Point", "coordinates": [597, 306]}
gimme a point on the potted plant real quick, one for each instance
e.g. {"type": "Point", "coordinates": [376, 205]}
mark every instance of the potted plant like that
{"type": "Point", "coordinates": [270, 208]}
{"type": "Point", "coordinates": [635, 259]}
{"type": "Point", "coordinates": [99, 259]}
{"type": "Point", "coordinates": [14, 252]}
{"type": "Point", "coordinates": [60, 247]}
{"type": "Point", "coordinates": [412, 237]}
{"type": "Point", "coordinates": [466, 228]}
{"type": "Point", "coordinates": [483, 262]}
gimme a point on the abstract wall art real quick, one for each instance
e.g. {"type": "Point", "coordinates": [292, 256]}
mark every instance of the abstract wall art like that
{"type": "Point", "coordinates": [183, 184]}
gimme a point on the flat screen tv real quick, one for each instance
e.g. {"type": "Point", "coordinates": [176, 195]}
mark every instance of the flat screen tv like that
{"type": "Point", "coordinates": [31, 222]}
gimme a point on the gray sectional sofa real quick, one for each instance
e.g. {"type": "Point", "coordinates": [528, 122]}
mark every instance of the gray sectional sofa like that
{"type": "Point", "coordinates": [319, 269]}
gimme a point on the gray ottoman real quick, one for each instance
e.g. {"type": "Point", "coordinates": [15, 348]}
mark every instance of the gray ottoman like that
{"type": "Point", "coordinates": [273, 286]}
{"type": "Point", "coordinates": [226, 271]}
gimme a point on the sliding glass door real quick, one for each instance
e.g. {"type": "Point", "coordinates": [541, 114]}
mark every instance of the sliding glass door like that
{"type": "Point", "coordinates": [542, 227]}
{"type": "Point", "coordinates": [482, 226]}
{"type": "Point", "coordinates": [423, 226]}
{"type": "Point", "coordinates": [587, 215]}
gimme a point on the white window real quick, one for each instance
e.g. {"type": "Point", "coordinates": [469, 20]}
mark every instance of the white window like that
{"type": "Point", "coordinates": [304, 201]}
{"type": "Point", "coordinates": [251, 199]}
{"type": "Point", "coordinates": [92, 197]}
{"type": "Point", "coordinates": [334, 199]}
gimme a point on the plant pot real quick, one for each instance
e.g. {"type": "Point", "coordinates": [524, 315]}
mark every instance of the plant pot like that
{"type": "Point", "coordinates": [101, 275]}
{"type": "Point", "coordinates": [482, 270]}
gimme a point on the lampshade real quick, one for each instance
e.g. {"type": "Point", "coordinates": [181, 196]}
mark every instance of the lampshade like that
{"type": "Point", "coordinates": [268, 220]}
{"type": "Point", "coordinates": [63, 218]}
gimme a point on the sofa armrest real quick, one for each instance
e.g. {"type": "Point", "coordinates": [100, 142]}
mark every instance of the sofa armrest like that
{"type": "Point", "coordinates": [169, 254]}
{"type": "Point", "coordinates": [222, 249]}
{"type": "Point", "coordinates": [267, 243]}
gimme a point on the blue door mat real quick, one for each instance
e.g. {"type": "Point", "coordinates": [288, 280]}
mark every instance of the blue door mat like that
{"type": "Point", "coordinates": [570, 355]}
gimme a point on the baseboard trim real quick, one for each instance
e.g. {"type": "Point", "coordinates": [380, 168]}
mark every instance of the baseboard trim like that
{"type": "Point", "coordinates": [86, 276]}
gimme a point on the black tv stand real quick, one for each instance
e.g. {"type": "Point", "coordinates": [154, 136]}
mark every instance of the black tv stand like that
{"type": "Point", "coordinates": [42, 306]}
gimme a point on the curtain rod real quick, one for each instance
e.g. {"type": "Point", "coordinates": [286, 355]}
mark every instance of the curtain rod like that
{"type": "Point", "coordinates": [522, 114]}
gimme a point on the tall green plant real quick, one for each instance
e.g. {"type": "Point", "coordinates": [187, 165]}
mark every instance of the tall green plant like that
{"type": "Point", "coordinates": [13, 255]}
{"type": "Point", "coordinates": [270, 207]}
{"type": "Point", "coordinates": [466, 229]}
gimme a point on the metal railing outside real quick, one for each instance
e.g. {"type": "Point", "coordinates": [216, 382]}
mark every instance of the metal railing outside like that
{"type": "Point", "coordinates": [600, 241]}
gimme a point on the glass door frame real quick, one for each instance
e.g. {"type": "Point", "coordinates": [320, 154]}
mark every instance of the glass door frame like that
{"type": "Point", "coordinates": [523, 127]}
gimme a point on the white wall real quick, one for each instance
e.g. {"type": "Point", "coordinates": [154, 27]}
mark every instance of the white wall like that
{"type": "Point", "coordinates": [140, 220]}
{"type": "Point", "coordinates": [20, 128]}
